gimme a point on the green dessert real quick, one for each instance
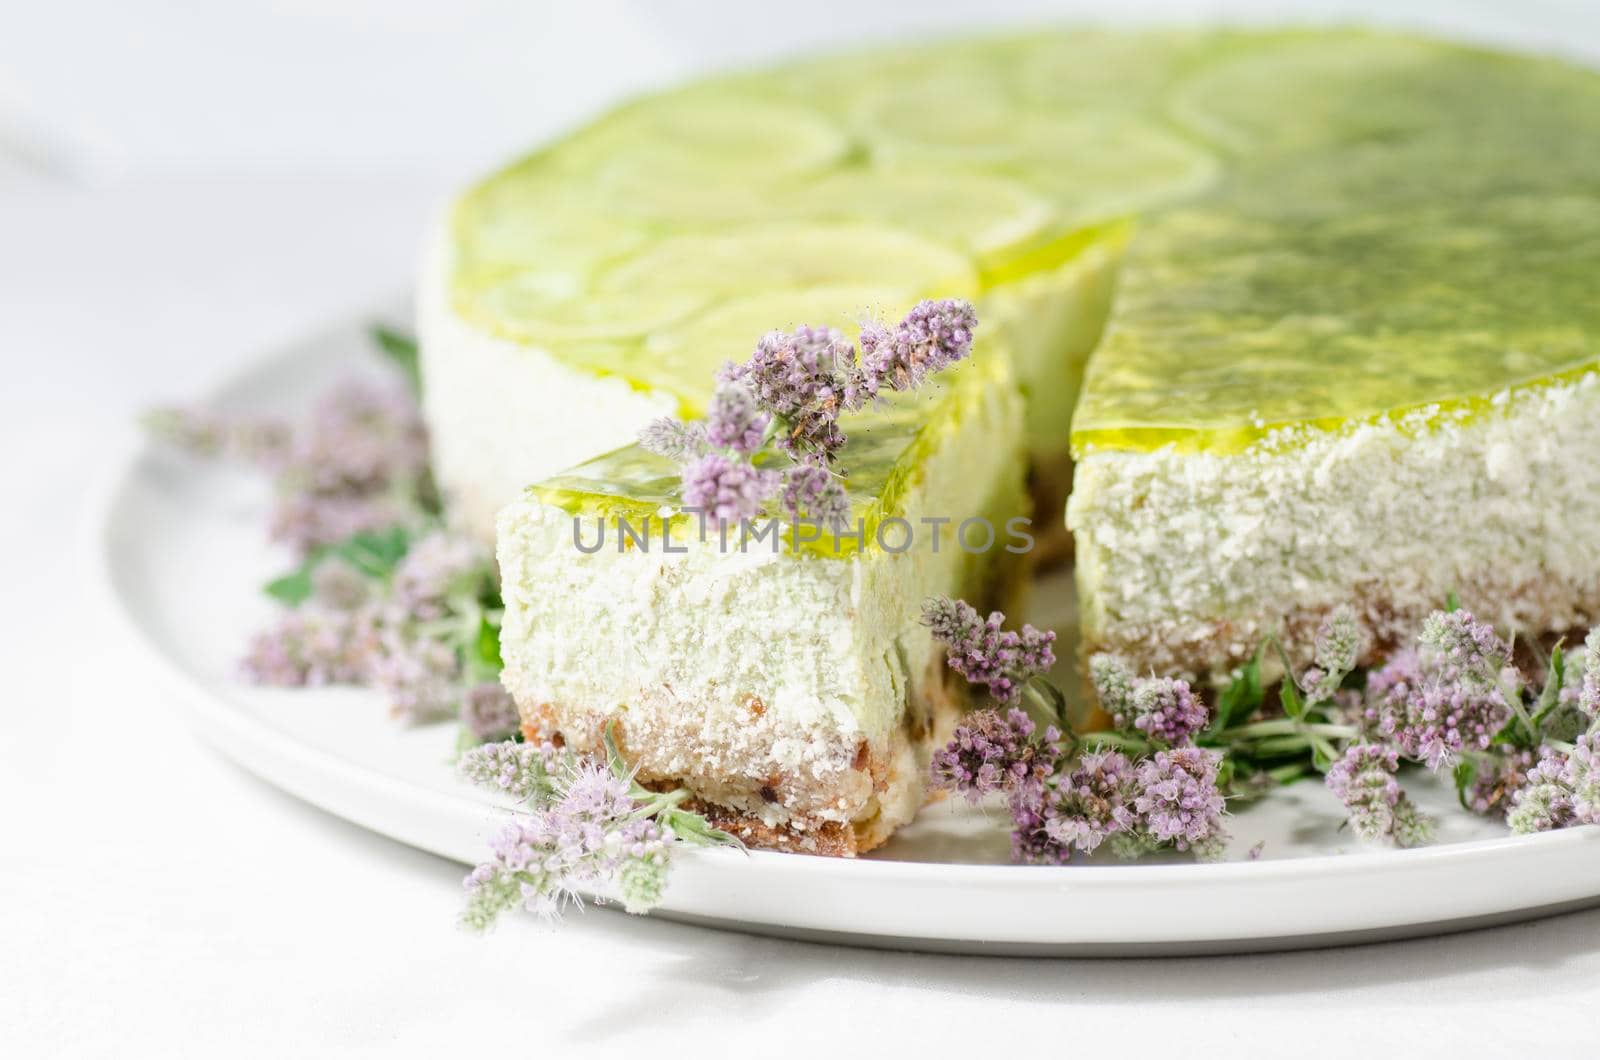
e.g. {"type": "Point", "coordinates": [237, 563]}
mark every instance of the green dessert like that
{"type": "Point", "coordinates": [1351, 357]}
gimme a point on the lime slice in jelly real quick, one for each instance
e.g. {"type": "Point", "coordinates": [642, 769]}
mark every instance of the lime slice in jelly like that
{"type": "Point", "coordinates": [793, 256]}
{"type": "Point", "coordinates": [989, 217]}
{"type": "Point", "coordinates": [689, 352]}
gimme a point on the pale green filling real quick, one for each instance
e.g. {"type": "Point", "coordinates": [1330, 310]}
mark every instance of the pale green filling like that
{"type": "Point", "coordinates": [1331, 226]}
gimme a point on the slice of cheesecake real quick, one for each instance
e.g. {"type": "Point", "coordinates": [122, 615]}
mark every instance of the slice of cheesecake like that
{"type": "Point", "coordinates": [784, 680]}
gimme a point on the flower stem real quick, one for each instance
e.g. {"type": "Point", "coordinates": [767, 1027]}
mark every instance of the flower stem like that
{"type": "Point", "coordinates": [1117, 740]}
{"type": "Point", "coordinates": [1288, 727]}
{"type": "Point", "coordinates": [661, 802]}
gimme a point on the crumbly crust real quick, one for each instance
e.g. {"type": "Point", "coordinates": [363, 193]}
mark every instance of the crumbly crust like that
{"type": "Point", "coordinates": [1210, 649]}
{"type": "Point", "coordinates": [851, 805]}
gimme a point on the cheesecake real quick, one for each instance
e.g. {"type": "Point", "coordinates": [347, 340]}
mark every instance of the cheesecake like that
{"type": "Point", "coordinates": [1305, 317]}
{"type": "Point", "coordinates": [776, 670]}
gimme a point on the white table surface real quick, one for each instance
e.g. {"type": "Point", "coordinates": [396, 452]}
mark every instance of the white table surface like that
{"type": "Point", "coordinates": [153, 897]}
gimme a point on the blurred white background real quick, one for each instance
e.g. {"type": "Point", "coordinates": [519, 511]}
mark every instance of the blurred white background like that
{"type": "Point", "coordinates": [353, 88]}
{"type": "Point", "coordinates": [184, 184]}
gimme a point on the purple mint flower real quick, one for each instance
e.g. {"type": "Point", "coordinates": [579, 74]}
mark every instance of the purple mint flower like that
{"type": "Point", "coordinates": [1435, 718]}
{"type": "Point", "coordinates": [1394, 681]}
{"type": "Point", "coordinates": [521, 770]}
{"type": "Point", "coordinates": [591, 831]}
{"type": "Point", "coordinates": [734, 421]}
{"type": "Point", "coordinates": [806, 378]}
{"type": "Point", "coordinates": [1589, 696]}
{"type": "Point", "coordinates": [933, 336]}
{"type": "Point", "coordinates": [492, 891]}
{"type": "Point", "coordinates": [674, 439]}
{"type": "Point", "coordinates": [1092, 802]}
{"type": "Point", "coordinates": [1471, 645]}
{"type": "Point", "coordinates": [984, 653]}
{"type": "Point", "coordinates": [359, 464]}
{"type": "Point", "coordinates": [1339, 645]}
{"type": "Point", "coordinates": [595, 831]}
{"type": "Point", "coordinates": [811, 491]}
{"type": "Point", "coordinates": [727, 490]}
{"type": "Point", "coordinates": [1499, 775]}
{"type": "Point", "coordinates": [1165, 710]}
{"type": "Point", "coordinates": [1113, 683]}
{"type": "Point", "coordinates": [363, 436]}
{"type": "Point", "coordinates": [263, 442]}
{"type": "Point", "coordinates": [489, 712]}
{"type": "Point", "coordinates": [791, 373]}
{"type": "Point", "coordinates": [305, 521]}
{"type": "Point", "coordinates": [420, 675]}
{"type": "Point", "coordinates": [1031, 840]}
{"type": "Point", "coordinates": [525, 869]}
{"type": "Point", "coordinates": [1581, 776]}
{"type": "Point", "coordinates": [1178, 801]}
{"type": "Point", "coordinates": [1364, 780]}
{"type": "Point", "coordinates": [436, 570]}
{"type": "Point", "coordinates": [1544, 801]}
{"type": "Point", "coordinates": [337, 585]}
{"type": "Point", "coordinates": [991, 753]}
{"type": "Point", "coordinates": [594, 796]}
{"type": "Point", "coordinates": [311, 646]}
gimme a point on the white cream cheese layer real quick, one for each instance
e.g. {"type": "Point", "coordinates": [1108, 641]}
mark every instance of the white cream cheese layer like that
{"type": "Point", "coordinates": [502, 414]}
{"type": "Point", "coordinates": [1186, 560]}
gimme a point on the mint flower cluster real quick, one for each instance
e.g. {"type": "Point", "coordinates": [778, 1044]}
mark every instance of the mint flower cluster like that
{"type": "Point", "coordinates": [984, 652]}
{"type": "Point", "coordinates": [383, 596]}
{"type": "Point", "coordinates": [771, 430]}
{"type": "Point", "coordinates": [1517, 745]}
{"type": "Point", "coordinates": [1143, 788]}
{"type": "Point", "coordinates": [1523, 749]}
{"type": "Point", "coordinates": [360, 464]}
{"type": "Point", "coordinates": [581, 822]}
{"type": "Point", "coordinates": [412, 628]}
{"type": "Point", "coordinates": [1365, 780]}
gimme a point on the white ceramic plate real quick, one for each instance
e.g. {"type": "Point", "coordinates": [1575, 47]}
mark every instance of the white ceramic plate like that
{"type": "Point", "coordinates": [177, 547]}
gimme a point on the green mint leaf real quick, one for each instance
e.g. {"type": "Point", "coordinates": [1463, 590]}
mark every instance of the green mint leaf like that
{"type": "Point", "coordinates": [1564, 724]}
{"type": "Point", "coordinates": [292, 589]}
{"type": "Point", "coordinates": [614, 759]}
{"type": "Point", "coordinates": [695, 829]}
{"type": "Point", "coordinates": [1287, 774]}
{"type": "Point", "coordinates": [1452, 602]}
{"type": "Point", "coordinates": [1514, 734]}
{"type": "Point", "coordinates": [486, 647]}
{"type": "Point", "coordinates": [374, 553]}
{"type": "Point", "coordinates": [1052, 697]}
{"type": "Point", "coordinates": [402, 350]}
{"type": "Point", "coordinates": [1555, 680]}
{"type": "Point", "coordinates": [1294, 704]}
{"type": "Point", "coordinates": [1465, 772]}
{"type": "Point", "coordinates": [1240, 699]}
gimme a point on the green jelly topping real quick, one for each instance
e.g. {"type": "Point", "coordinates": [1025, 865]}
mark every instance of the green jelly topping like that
{"type": "Point", "coordinates": [1329, 226]}
{"type": "Point", "coordinates": [881, 464]}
